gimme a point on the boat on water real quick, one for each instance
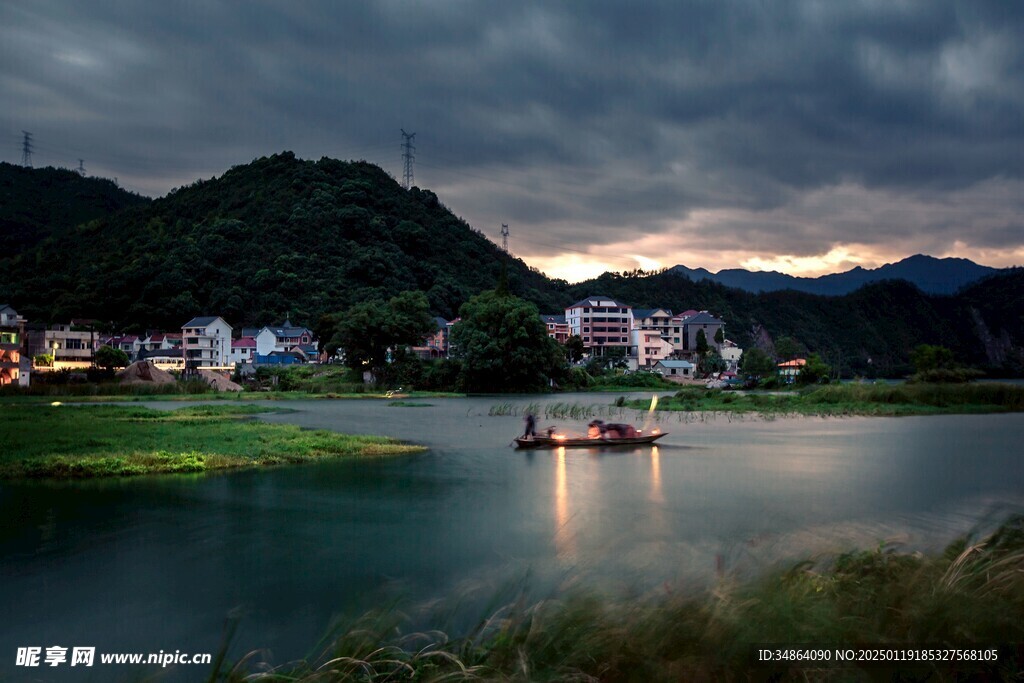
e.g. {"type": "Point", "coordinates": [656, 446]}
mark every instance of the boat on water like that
{"type": "Point", "coordinates": [559, 441]}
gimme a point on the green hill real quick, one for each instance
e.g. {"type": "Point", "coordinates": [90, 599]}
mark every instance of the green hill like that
{"type": "Point", "coordinates": [279, 236]}
{"type": "Point", "coordinates": [36, 203]}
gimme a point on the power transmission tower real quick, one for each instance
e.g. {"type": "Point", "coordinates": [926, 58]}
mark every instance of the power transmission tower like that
{"type": "Point", "coordinates": [504, 237]}
{"type": "Point", "coordinates": [26, 149]}
{"type": "Point", "coordinates": [81, 167]}
{"type": "Point", "coordinates": [408, 155]}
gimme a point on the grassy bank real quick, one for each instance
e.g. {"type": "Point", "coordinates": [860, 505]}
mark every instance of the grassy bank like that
{"type": "Point", "coordinates": [96, 441]}
{"type": "Point", "coordinates": [15, 399]}
{"type": "Point", "coordinates": [973, 594]}
{"type": "Point", "coordinates": [851, 399]}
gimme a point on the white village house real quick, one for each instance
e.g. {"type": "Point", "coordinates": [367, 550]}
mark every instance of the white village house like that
{"type": "Point", "coordinates": [206, 343]}
{"type": "Point", "coordinates": [282, 338]}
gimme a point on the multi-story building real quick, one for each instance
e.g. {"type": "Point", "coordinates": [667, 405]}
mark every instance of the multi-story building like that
{"type": "Point", "coordinates": [691, 326]}
{"type": "Point", "coordinates": [160, 341]}
{"type": "Point", "coordinates": [12, 344]}
{"type": "Point", "coordinates": [436, 345]}
{"type": "Point", "coordinates": [731, 354]}
{"type": "Point", "coordinates": [72, 346]}
{"type": "Point", "coordinates": [243, 351]}
{"type": "Point", "coordinates": [129, 343]}
{"type": "Point", "coordinates": [653, 319]}
{"type": "Point", "coordinates": [558, 328]}
{"type": "Point", "coordinates": [648, 347]}
{"type": "Point", "coordinates": [206, 343]}
{"type": "Point", "coordinates": [280, 338]}
{"type": "Point", "coordinates": [601, 322]}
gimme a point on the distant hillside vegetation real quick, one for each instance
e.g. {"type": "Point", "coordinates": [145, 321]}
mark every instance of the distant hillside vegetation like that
{"type": "Point", "coordinates": [279, 236]}
{"type": "Point", "coordinates": [36, 203]}
{"type": "Point", "coordinates": [869, 331]}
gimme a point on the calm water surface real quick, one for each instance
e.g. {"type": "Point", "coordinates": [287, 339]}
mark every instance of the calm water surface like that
{"type": "Point", "coordinates": [151, 563]}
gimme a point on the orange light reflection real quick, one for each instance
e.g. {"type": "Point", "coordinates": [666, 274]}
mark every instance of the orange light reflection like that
{"type": "Point", "coordinates": [656, 494]}
{"type": "Point", "coordinates": [565, 546]}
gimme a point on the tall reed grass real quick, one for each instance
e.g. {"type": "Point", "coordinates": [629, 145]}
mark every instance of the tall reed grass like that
{"type": "Point", "coordinates": [972, 594]}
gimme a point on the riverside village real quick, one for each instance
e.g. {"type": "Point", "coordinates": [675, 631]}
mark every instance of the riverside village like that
{"type": "Point", "coordinates": [512, 342]}
{"type": "Point", "coordinates": [649, 340]}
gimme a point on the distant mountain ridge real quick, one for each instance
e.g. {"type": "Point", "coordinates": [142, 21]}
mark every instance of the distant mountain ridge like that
{"type": "Point", "coordinates": [930, 274]}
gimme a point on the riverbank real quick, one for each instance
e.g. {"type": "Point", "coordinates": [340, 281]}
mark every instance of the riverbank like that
{"type": "Point", "coordinates": [70, 442]}
{"type": "Point", "coordinates": [849, 400]}
{"type": "Point", "coordinates": [968, 599]}
{"type": "Point", "coordinates": [15, 399]}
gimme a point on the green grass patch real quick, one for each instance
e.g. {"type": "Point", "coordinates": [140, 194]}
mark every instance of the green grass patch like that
{"type": "Point", "coordinates": [106, 390]}
{"type": "Point", "coordinates": [971, 595]}
{"type": "Point", "coordinates": [94, 441]}
{"type": "Point", "coordinates": [14, 399]}
{"type": "Point", "coordinates": [851, 399]}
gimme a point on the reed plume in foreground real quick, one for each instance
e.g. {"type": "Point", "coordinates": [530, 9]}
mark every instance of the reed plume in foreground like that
{"type": "Point", "coordinates": [971, 594]}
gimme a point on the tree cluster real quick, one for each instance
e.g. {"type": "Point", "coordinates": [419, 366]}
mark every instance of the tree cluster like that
{"type": "Point", "coordinates": [500, 344]}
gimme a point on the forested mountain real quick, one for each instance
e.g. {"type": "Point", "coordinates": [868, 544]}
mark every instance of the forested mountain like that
{"type": "Point", "coordinates": [286, 237]}
{"type": "Point", "coordinates": [36, 203]}
{"type": "Point", "coordinates": [930, 274]}
{"type": "Point", "coordinates": [279, 236]}
{"type": "Point", "coordinates": [871, 330]}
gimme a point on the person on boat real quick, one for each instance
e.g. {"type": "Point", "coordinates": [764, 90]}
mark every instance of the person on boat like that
{"type": "Point", "coordinates": [621, 431]}
{"type": "Point", "coordinates": [596, 430]}
{"type": "Point", "coordinates": [531, 426]}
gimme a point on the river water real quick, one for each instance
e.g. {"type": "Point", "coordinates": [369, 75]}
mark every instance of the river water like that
{"type": "Point", "coordinates": [158, 563]}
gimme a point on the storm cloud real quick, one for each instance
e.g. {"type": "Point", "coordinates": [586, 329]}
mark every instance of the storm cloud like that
{"type": "Point", "coordinates": [806, 136]}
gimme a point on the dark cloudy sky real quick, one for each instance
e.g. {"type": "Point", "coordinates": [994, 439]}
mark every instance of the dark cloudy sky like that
{"type": "Point", "coordinates": [803, 136]}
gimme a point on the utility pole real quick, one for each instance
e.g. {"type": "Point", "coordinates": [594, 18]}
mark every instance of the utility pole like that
{"type": "Point", "coordinates": [26, 149]}
{"type": "Point", "coordinates": [408, 155]}
{"type": "Point", "coordinates": [504, 237]}
{"type": "Point", "coordinates": [81, 167]}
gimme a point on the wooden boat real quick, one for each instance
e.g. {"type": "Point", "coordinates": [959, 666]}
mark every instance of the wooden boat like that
{"type": "Point", "coordinates": [552, 442]}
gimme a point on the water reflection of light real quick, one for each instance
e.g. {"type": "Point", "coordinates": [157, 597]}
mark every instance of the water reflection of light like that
{"type": "Point", "coordinates": [656, 494]}
{"type": "Point", "coordinates": [564, 543]}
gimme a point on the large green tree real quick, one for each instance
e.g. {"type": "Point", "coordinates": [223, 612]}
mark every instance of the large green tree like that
{"type": "Point", "coordinates": [575, 350]}
{"type": "Point", "coordinates": [756, 364]}
{"type": "Point", "coordinates": [816, 371]}
{"type": "Point", "coordinates": [503, 345]}
{"type": "Point", "coordinates": [108, 357]}
{"type": "Point", "coordinates": [702, 343]}
{"type": "Point", "coordinates": [711, 363]}
{"type": "Point", "coordinates": [787, 348]}
{"type": "Point", "coordinates": [926, 357]}
{"type": "Point", "coordinates": [367, 330]}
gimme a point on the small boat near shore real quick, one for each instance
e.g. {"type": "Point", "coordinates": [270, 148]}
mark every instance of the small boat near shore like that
{"type": "Point", "coordinates": [568, 442]}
